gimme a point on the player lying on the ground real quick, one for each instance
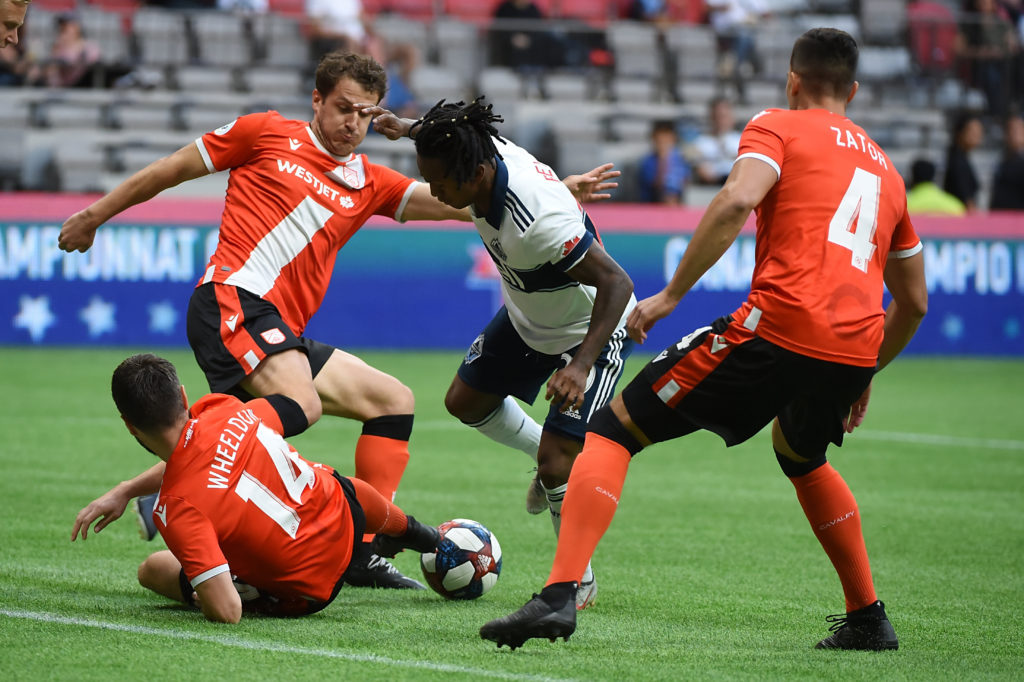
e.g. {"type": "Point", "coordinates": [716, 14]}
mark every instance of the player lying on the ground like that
{"type": "Point", "coordinates": [566, 299]}
{"type": "Point", "coordinates": [236, 501]}
{"type": "Point", "coordinates": [800, 353]}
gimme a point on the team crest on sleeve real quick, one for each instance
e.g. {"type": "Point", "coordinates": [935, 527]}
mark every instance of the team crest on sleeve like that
{"type": "Point", "coordinates": [498, 250]}
{"type": "Point", "coordinates": [476, 349]}
{"type": "Point", "coordinates": [273, 336]}
{"type": "Point", "coordinates": [223, 130]}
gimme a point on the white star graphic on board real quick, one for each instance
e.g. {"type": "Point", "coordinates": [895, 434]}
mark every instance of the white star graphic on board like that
{"type": "Point", "coordinates": [98, 316]}
{"type": "Point", "coordinates": [162, 317]}
{"type": "Point", "coordinates": [35, 316]}
{"type": "Point", "coordinates": [953, 327]}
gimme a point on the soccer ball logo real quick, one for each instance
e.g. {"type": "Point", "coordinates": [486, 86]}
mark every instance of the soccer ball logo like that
{"type": "Point", "coordinates": [467, 561]}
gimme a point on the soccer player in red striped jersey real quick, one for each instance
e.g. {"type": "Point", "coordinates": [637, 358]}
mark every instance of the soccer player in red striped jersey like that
{"type": "Point", "coordinates": [297, 192]}
{"type": "Point", "coordinates": [799, 354]}
{"type": "Point", "coordinates": [245, 517]}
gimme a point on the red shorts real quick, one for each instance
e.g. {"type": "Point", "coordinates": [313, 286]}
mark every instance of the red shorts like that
{"type": "Point", "coordinates": [727, 380]}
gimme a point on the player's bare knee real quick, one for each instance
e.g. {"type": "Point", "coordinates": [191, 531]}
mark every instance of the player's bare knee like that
{"type": "Point", "coordinates": [554, 459]}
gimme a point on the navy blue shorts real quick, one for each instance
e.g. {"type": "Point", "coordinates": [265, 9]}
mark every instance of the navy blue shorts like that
{"type": "Point", "coordinates": [499, 362]}
{"type": "Point", "coordinates": [725, 379]}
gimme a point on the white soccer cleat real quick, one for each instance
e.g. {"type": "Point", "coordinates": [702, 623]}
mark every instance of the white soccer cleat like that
{"type": "Point", "coordinates": [536, 500]}
{"type": "Point", "coordinates": [586, 594]}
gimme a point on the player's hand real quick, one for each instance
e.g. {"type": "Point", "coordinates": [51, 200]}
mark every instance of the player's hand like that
{"type": "Point", "coordinates": [857, 411]}
{"type": "Point", "coordinates": [646, 313]}
{"type": "Point", "coordinates": [593, 185]}
{"type": "Point", "coordinates": [107, 508]}
{"type": "Point", "coordinates": [77, 232]}
{"type": "Point", "coordinates": [566, 387]}
{"type": "Point", "coordinates": [384, 121]}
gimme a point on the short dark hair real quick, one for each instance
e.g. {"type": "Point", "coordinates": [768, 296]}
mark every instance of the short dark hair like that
{"type": "Point", "coordinates": [147, 392]}
{"type": "Point", "coordinates": [922, 170]}
{"type": "Point", "coordinates": [826, 61]}
{"type": "Point", "coordinates": [663, 125]}
{"type": "Point", "coordinates": [362, 69]}
{"type": "Point", "coordinates": [460, 135]}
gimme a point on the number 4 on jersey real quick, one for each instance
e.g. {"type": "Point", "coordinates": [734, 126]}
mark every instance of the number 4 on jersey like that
{"type": "Point", "coordinates": [860, 204]}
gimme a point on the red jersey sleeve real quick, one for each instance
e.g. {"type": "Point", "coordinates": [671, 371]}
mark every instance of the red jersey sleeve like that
{"type": "Point", "coordinates": [233, 144]}
{"type": "Point", "coordinates": [391, 189]}
{"type": "Point", "coordinates": [761, 141]}
{"type": "Point", "coordinates": [192, 539]}
{"type": "Point", "coordinates": [905, 242]}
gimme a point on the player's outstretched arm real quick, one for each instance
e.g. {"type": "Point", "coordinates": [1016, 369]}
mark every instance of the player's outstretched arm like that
{"type": "Point", "coordinates": [111, 505]}
{"type": "Point", "coordinates": [718, 228]}
{"type": "Point", "coordinates": [594, 184]}
{"type": "Point", "coordinates": [78, 231]}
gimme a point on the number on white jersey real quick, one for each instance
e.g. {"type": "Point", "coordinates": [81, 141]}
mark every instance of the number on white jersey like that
{"type": "Point", "coordinates": [860, 204]}
{"type": "Point", "coordinates": [295, 474]}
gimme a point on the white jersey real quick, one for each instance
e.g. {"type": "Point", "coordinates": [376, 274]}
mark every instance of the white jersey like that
{"type": "Point", "coordinates": [535, 232]}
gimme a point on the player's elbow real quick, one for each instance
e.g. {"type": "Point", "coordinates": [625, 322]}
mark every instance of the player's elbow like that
{"type": "Point", "coordinates": [229, 613]}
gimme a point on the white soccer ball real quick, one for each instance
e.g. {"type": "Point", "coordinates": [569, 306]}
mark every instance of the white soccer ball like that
{"type": "Point", "coordinates": [467, 561]}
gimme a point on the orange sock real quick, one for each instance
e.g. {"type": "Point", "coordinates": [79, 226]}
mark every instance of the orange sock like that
{"type": "Point", "coordinates": [381, 461]}
{"type": "Point", "coordinates": [591, 499]}
{"type": "Point", "coordinates": [382, 515]}
{"type": "Point", "coordinates": [832, 511]}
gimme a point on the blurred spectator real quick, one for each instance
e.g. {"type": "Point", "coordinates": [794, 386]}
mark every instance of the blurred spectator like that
{"type": "Point", "coordinates": [341, 25]}
{"type": "Point", "coordinates": [13, 65]}
{"type": "Point", "coordinates": [518, 39]}
{"type": "Point", "coordinates": [961, 181]}
{"type": "Point", "coordinates": [715, 151]}
{"type": "Point", "coordinates": [988, 45]}
{"type": "Point", "coordinates": [72, 59]}
{"type": "Point", "coordinates": [253, 6]}
{"type": "Point", "coordinates": [663, 173]}
{"type": "Point", "coordinates": [734, 23]}
{"type": "Point", "coordinates": [1008, 185]}
{"type": "Point", "coordinates": [657, 12]}
{"type": "Point", "coordinates": [400, 98]}
{"type": "Point", "coordinates": [924, 197]}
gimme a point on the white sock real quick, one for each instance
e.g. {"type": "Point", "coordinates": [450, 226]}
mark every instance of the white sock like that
{"type": "Point", "coordinates": [555, 497]}
{"type": "Point", "coordinates": [511, 426]}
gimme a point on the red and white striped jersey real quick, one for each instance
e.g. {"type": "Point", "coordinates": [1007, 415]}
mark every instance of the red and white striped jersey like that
{"type": "Point", "coordinates": [290, 206]}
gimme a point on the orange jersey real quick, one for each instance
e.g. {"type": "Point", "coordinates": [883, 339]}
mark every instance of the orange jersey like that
{"type": "Point", "coordinates": [290, 206]}
{"type": "Point", "coordinates": [824, 233]}
{"type": "Point", "coordinates": [236, 497]}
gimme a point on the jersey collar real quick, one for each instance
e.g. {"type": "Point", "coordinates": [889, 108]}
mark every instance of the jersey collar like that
{"type": "Point", "coordinates": [497, 210]}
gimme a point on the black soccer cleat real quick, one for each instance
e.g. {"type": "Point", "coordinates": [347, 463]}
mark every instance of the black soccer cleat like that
{"type": "Point", "coordinates": [367, 569]}
{"type": "Point", "coordinates": [866, 629]}
{"type": "Point", "coordinates": [550, 614]}
{"type": "Point", "coordinates": [417, 536]}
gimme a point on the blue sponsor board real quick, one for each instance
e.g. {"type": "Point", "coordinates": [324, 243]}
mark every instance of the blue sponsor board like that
{"type": "Point", "coordinates": [411, 287]}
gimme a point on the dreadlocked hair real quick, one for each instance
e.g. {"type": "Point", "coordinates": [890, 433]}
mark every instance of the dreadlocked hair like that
{"type": "Point", "coordinates": [460, 135]}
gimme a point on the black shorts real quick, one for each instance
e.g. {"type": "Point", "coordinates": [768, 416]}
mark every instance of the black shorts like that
{"type": "Point", "coordinates": [231, 331]}
{"type": "Point", "coordinates": [725, 379]}
{"type": "Point", "coordinates": [500, 362]}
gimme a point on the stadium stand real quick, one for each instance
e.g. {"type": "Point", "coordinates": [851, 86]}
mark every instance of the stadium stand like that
{"type": "Point", "coordinates": [173, 74]}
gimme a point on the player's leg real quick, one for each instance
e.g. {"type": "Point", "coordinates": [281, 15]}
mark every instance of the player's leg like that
{"type": "Point", "coordinates": [161, 573]}
{"type": "Point", "coordinates": [394, 529]}
{"type": "Point", "coordinates": [349, 387]}
{"type": "Point", "coordinates": [493, 371]}
{"type": "Point", "coordinates": [564, 433]}
{"type": "Point", "coordinates": [800, 437]}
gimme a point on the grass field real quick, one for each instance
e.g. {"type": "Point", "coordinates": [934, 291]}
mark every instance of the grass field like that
{"type": "Point", "coordinates": [709, 571]}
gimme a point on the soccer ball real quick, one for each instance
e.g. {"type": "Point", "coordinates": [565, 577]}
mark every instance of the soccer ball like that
{"type": "Point", "coordinates": [467, 561]}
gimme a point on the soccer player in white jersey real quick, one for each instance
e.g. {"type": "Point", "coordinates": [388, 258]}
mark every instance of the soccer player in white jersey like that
{"type": "Point", "coordinates": [297, 192]}
{"type": "Point", "coordinates": [566, 299]}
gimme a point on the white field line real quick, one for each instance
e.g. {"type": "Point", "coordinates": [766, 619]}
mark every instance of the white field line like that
{"type": "Point", "coordinates": [256, 645]}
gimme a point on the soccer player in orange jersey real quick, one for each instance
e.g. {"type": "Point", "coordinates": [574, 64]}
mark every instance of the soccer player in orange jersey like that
{"type": "Point", "coordinates": [245, 517]}
{"type": "Point", "coordinates": [800, 353]}
{"type": "Point", "coordinates": [297, 192]}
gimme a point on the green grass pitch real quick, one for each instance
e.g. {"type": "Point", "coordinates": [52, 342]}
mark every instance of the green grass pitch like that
{"type": "Point", "coordinates": [709, 571]}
